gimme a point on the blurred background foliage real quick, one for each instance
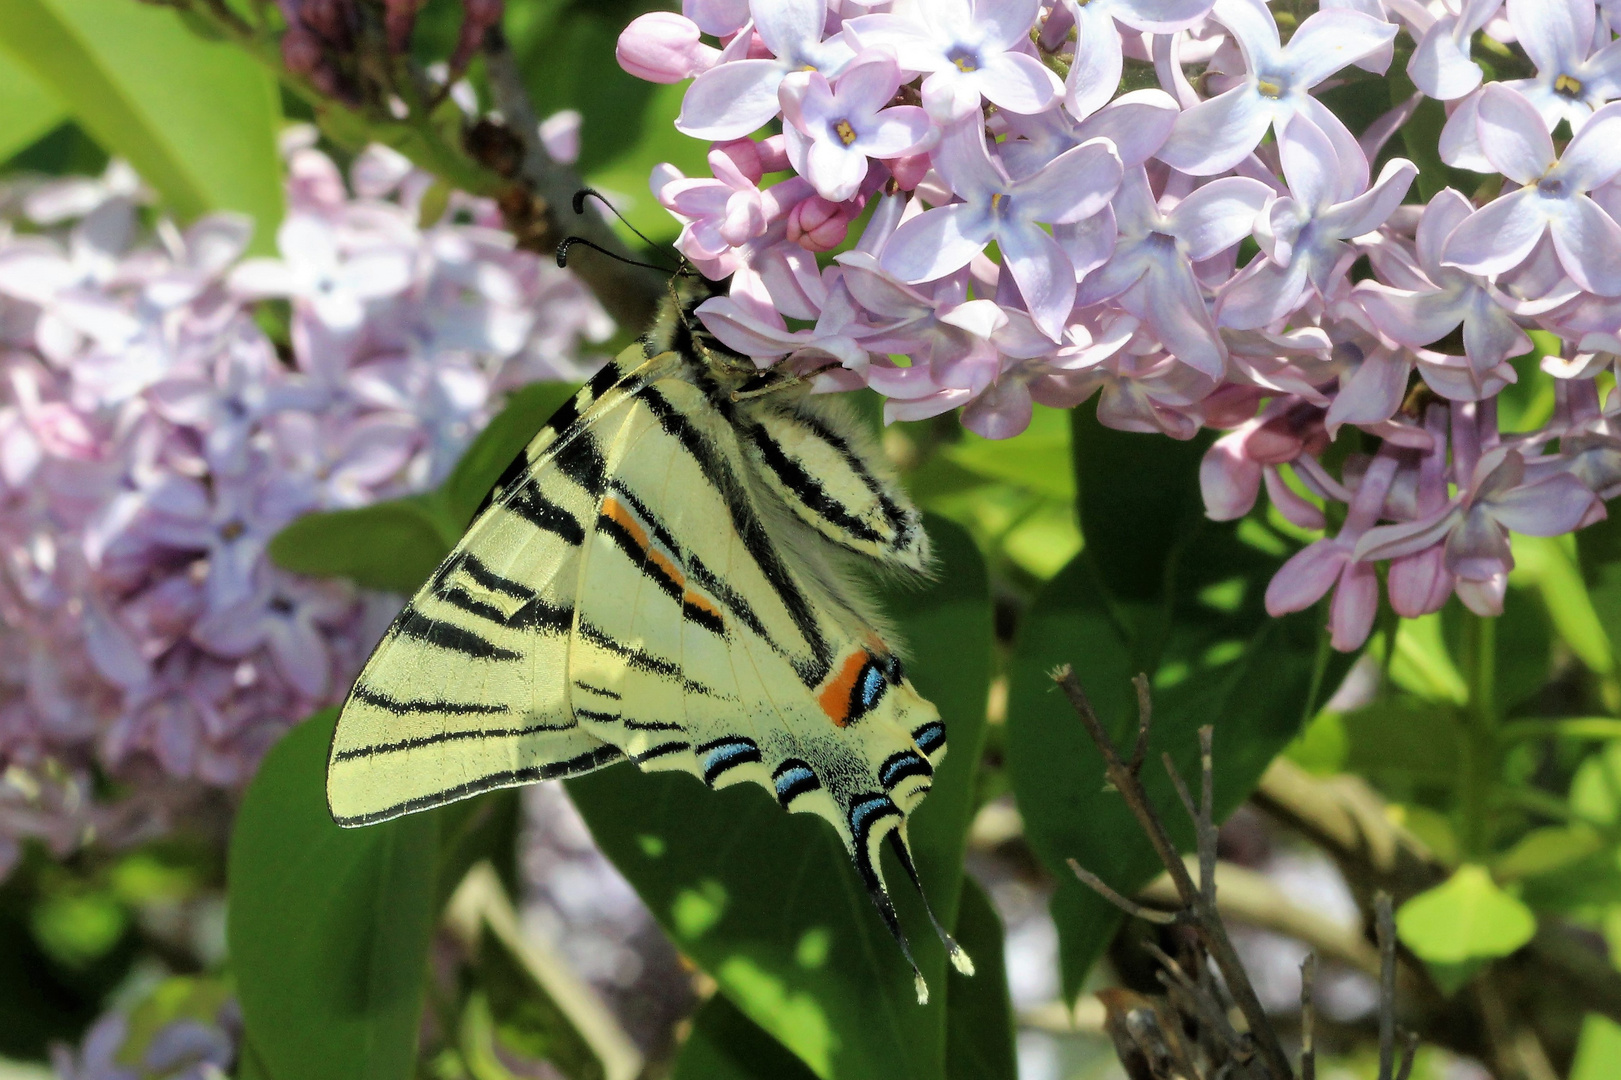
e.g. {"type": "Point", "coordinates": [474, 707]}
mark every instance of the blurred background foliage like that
{"type": "Point", "coordinates": [1484, 757]}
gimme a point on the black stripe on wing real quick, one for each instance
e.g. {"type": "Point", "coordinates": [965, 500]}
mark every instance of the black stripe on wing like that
{"type": "Point", "coordinates": [899, 766]}
{"type": "Point", "coordinates": [904, 523]}
{"type": "Point", "coordinates": [583, 763]}
{"type": "Point", "coordinates": [750, 531]}
{"type": "Point", "coordinates": [434, 706]}
{"type": "Point", "coordinates": [415, 625]}
{"type": "Point", "coordinates": [712, 583]}
{"type": "Point", "coordinates": [809, 490]}
{"type": "Point", "coordinates": [642, 660]}
{"type": "Point", "coordinates": [419, 741]}
{"type": "Point", "coordinates": [564, 425]}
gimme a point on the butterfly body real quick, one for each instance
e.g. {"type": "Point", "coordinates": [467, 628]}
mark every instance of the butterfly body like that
{"type": "Point", "coordinates": [668, 574]}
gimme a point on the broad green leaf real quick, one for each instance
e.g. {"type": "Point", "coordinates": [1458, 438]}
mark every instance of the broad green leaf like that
{"type": "Point", "coordinates": [27, 109]}
{"type": "Point", "coordinates": [502, 440]}
{"type": "Point", "coordinates": [392, 546]}
{"type": "Point", "coordinates": [979, 1014]}
{"type": "Point", "coordinates": [1549, 565]}
{"type": "Point", "coordinates": [1220, 659]}
{"type": "Point", "coordinates": [1138, 499]}
{"type": "Point", "coordinates": [1038, 458]}
{"type": "Point", "coordinates": [1546, 850]}
{"type": "Point", "coordinates": [1595, 790]}
{"type": "Point", "coordinates": [768, 903]}
{"type": "Point", "coordinates": [329, 928]}
{"type": "Point", "coordinates": [1598, 1049]}
{"type": "Point", "coordinates": [1404, 744]}
{"type": "Point", "coordinates": [1465, 918]}
{"type": "Point", "coordinates": [197, 119]}
{"type": "Point", "coordinates": [726, 1045]}
{"type": "Point", "coordinates": [1422, 664]}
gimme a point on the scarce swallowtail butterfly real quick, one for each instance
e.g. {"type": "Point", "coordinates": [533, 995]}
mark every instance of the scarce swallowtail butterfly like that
{"type": "Point", "coordinates": [668, 575]}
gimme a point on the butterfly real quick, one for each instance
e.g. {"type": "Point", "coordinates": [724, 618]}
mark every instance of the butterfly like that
{"type": "Point", "coordinates": [668, 574]}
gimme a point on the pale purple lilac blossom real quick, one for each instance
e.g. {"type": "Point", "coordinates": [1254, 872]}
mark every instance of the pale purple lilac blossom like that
{"type": "Point", "coordinates": [153, 439]}
{"type": "Point", "coordinates": [1046, 245]}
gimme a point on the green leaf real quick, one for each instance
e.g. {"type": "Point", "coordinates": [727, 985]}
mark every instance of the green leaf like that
{"type": "Point", "coordinates": [979, 1014]}
{"type": "Point", "coordinates": [392, 546]}
{"type": "Point", "coordinates": [1549, 564]}
{"type": "Point", "coordinates": [1138, 499]}
{"type": "Point", "coordinates": [501, 440]}
{"type": "Point", "coordinates": [1598, 1050]}
{"type": "Point", "coordinates": [197, 119]}
{"type": "Point", "coordinates": [1547, 850]}
{"type": "Point", "coordinates": [1403, 744]}
{"type": "Point", "coordinates": [1038, 458]}
{"type": "Point", "coordinates": [1214, 657]}
{"type": "Point", "coordinates": [328, 928]}
{"type": "Point", "coordinates": [1465, 918]}
{"type": "Point", "coordinates": [726, 1045]}
{"type": "Point", "coordinates": [768, 902]}
{"type": "Point", "coordinates": [27, 109]}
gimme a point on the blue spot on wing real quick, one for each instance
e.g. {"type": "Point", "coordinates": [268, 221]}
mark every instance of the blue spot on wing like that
{"type": "Point", "coordinates": [792, 779]}
{"type": "Point", "coordinates": [724, 754]}
{"type": "Point", "coordinates": [930, 737]}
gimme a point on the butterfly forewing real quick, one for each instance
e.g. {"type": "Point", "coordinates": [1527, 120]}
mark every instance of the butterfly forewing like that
{"type": "Point", "coordinates": [468, 689]}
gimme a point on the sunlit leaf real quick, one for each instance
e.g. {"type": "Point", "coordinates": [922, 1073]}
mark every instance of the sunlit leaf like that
{"type": "Point", "coordinates": [1466, 917]}
{"type": "Point", "coordinates": [329, 927]}
{"type": "Point", "coordinates": [197, 119]}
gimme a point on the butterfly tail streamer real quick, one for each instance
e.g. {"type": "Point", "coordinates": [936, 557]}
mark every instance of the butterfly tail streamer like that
{"type": "Point", "coordinates": [958, 955]}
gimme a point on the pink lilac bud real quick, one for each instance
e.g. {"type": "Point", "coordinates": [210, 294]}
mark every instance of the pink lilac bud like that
{"type": "Point", "coordinates": [399, 19]}
{"type": "Point", "coordinates": [478, 16]}
{"type": "Point", "coordinates": [818, 225]}
{"type": "Point", "coordinates": [909, 171]}
{"type": "Point", "coordinates": [663, 47]}
{"type": "Point", "coordinates": [301, 51]}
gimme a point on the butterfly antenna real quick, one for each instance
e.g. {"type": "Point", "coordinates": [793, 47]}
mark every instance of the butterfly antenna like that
{"type": "Point", "coordinates": [959, 956]}
{"type": "Point", "coordinates": [568, 244]}
{"type": "Point", "coordinates": [592, 193]}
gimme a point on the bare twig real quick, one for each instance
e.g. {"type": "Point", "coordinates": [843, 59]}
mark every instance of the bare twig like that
{"type": "Point", "coordinates": [1145, 716]}
{"type": "Point", "coordinates": [1199, 904]}
{"type": "Point", "coordinates": [1409, 1052]}
{"type": "Point", "coordinates": [1130, 907]}
{"type": "Point", "coordinates": [1385, 931]}
{"type": "Point", "coordinates": [1308, 1018]}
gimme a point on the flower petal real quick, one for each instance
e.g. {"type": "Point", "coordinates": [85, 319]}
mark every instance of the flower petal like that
{"type": "Point", "coordinates": [1589, 245]}
{"type": "Point", "coordinates": [1499, 235]}
{"type": "Point", "coordinates": [1511, 134]}
{"type": "Point", "coordinates": [936, 242]}
{"type": "Point", "coordinates": [730, 100]}
{"type": "Point", "coordinates": [1214, 135]}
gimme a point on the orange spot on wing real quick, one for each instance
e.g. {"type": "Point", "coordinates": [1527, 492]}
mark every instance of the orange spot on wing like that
{"type": "Point", "coordinates": [617, 512]}
{"type": "Point", "coordinates": [836, 694]}
{"type": "Point", "coordinates": [701, 602]}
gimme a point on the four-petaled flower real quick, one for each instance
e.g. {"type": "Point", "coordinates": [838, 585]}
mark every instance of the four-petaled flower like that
{"type": "Point", "coordinates": [1075, 185]}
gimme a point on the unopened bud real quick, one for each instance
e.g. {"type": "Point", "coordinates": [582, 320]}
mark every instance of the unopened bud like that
{"type": "Point", "coordinates": [909, 171]}
{"type": "Point", "coordinates": [664, 47]}
{"type": "Point", "coordinates": [816, 224]}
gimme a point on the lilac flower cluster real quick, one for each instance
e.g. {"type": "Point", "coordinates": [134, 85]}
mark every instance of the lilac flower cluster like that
{"type": "Point", "coordinates": [1032, 234]}
{"type": "Point", "coordinates": [156, 430]}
